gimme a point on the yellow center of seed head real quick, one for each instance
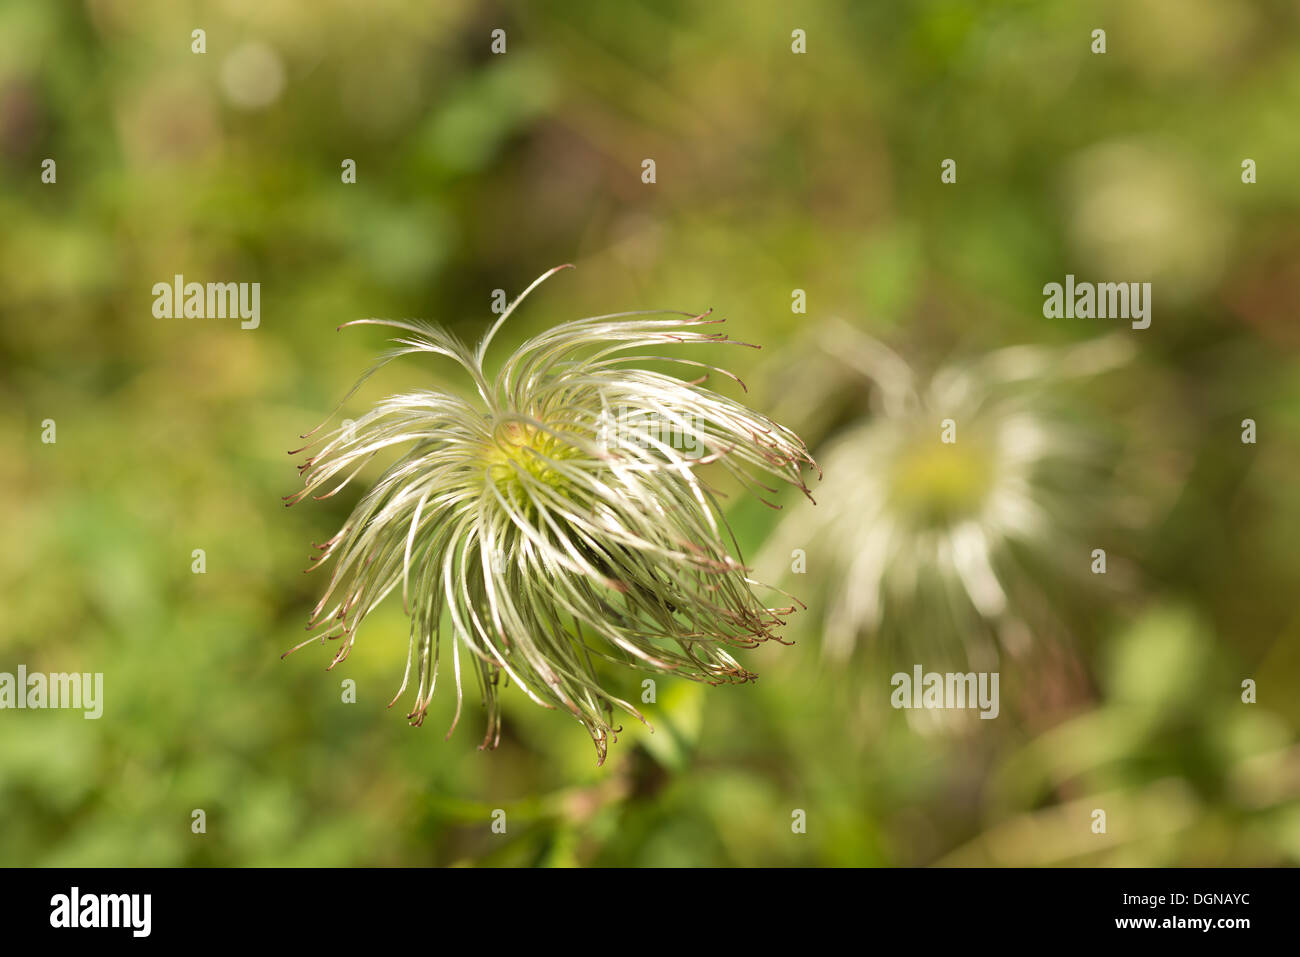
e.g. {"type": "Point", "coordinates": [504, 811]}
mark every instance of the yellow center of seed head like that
{"type": "Point", "coordinates": [520, 445]}
{"type": "Point", "coordinates": [939, 484]}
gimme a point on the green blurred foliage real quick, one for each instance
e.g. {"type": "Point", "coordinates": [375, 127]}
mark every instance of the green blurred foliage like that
{"type": "Point", "coordinates": [775, 171]}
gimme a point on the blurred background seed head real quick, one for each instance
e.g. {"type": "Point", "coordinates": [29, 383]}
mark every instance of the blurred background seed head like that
{"type": "Point", "coordinates": [948, 501]}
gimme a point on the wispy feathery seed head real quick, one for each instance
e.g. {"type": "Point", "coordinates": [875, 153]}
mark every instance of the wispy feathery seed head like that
{"type": "Point", "coordinates": [557, 519]}
{"type": "Point", "coordinates": [928, 541]}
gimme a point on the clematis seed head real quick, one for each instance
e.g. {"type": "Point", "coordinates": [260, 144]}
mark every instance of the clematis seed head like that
{"type": "Point", "coordinates": [555, 519]}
